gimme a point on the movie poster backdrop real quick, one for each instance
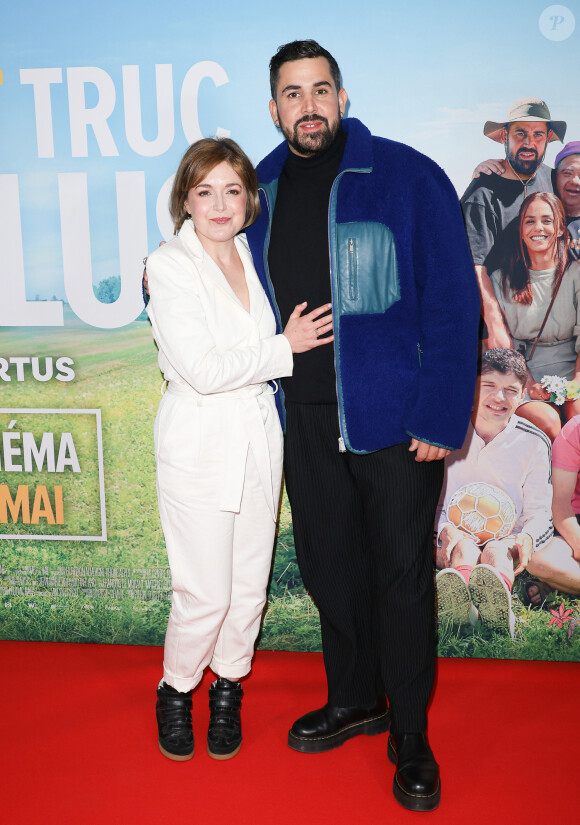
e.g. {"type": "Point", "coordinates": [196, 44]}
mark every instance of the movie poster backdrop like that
{"type": "Point", "coordinates": [97, 106]}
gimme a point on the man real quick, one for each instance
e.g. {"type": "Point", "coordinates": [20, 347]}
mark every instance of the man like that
{"type": "Point", "coordinates": [375, 228]}
{"type": "Point", "coordinates": [567, 173]}
{"type": "Point", "coordinates": [510, 453]}
{"type": "Point", "coordinates": [491, 204]}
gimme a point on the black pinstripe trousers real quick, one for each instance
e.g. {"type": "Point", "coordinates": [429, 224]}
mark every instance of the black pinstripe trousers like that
{"type": "Point", "coordinates": [363, 532]}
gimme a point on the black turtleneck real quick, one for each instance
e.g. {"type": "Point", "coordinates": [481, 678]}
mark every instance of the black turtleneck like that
{"type": "Point", "coordinates": [298, 258]}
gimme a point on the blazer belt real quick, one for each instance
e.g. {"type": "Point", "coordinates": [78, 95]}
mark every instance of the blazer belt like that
{"type": "Point", "coordinates": [216, 397]}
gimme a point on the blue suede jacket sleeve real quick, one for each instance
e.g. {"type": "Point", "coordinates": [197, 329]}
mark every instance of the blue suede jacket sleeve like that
{"type": "Point", "coordinates": [449, 307]}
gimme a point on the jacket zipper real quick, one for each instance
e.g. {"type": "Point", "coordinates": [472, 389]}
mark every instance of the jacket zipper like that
{"type": "Point", "coordinates": [341, 441]}
{"type": "Point", "coordinates": [419, 352]}
{"type": "Point", "coordinates": [352, 271]}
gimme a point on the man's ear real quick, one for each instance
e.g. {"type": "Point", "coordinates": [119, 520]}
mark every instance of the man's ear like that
{"type": "Point", "coordinates": [274, 112]}
{"type": "Point", "coordinates": [342, 101]}
{"type": "Point", "coordinates": [504, 135]}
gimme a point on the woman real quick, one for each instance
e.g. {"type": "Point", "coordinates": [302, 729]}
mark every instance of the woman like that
{"type": "Point", "coordinates": [218, 440]}
{"type": "Point", "coordinates": [524, 288]}
{"type": "Point", "coordinates": [557, 565]}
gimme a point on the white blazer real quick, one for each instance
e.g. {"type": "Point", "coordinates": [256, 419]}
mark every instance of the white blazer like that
{"type": "Point", "coordinates": [219, 356]}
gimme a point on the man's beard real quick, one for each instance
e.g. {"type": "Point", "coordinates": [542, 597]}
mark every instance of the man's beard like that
{"type": "Point", "coordinates": [315, 143]}
{"type": "Point", "coordinates": [524, 167]}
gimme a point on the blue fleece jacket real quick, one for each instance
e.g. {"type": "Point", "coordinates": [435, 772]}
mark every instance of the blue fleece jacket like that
{"type": "Point", "coordinates": [404, 293]}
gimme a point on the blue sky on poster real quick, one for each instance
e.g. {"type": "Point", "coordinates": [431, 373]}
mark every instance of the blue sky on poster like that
{"type": "Point", "coordinates": [427, 74]}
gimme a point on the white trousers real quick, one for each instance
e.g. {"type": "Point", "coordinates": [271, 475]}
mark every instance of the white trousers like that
{"type": "Point", "coordinates": [219, 558]}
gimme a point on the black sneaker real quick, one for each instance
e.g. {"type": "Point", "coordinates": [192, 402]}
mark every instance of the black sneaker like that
{"type": "Point", "coordinates": [174, 723]}
{"type": "Point", "coordinates": [224, 736]}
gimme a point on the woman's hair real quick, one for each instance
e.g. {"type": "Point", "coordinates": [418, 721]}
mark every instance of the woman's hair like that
{"type": "Point", "coordinates": [198, 161]}
{"type": "Point", "coordinates": [516, 266]}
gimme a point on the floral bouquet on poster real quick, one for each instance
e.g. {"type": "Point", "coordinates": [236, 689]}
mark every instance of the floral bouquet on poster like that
{"type": "Point", "coordinates": [561, 390]}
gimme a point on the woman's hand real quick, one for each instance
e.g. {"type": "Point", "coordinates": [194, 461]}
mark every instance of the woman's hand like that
{"type": "Point", "coordinates": [536, 391]}
{"type": "Point", "coordinates": [304, 331]}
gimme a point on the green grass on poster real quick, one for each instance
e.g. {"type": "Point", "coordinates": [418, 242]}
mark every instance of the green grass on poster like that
{"type": "Point", "coordinates": [118, 591]}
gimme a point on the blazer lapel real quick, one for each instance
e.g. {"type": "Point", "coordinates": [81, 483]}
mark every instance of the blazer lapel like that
{"type": "Point", "coordinates": [205, 264]}
{"type": "Point", "coordinates": [208, 268]}
{"type": "Point", "coordinates": [257, 295]}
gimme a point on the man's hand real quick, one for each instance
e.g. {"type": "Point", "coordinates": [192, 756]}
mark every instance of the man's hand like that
{"type": "Point", "coordinates": [427, 452]}
{"type": "Point", "coordinates": [522, 545]}
{"type": "Point", "coordinates": [486, 167]}
{"type": "Point", "coordinates": [449, 536]}
{"type": "Point", "coordinates": [145, 278]}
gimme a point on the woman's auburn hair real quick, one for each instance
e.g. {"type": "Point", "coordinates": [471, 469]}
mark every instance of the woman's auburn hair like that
{"type": "Point", "coordinates": [516, 271]}
{"type": "Point", "coordinates": [198, 161]}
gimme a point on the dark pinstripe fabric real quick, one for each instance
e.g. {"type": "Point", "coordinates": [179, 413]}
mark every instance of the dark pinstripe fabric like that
{"type": "Point", "coordinates": [363, 528]}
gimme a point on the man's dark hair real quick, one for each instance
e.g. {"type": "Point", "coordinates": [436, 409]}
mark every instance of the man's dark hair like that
{"type": "Point", "coordinates": [504, 360]}
{"type": "Point", "coordinates": [298, 50]}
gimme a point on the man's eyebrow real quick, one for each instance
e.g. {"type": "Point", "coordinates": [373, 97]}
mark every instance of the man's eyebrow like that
{"type": "Point", "coordinates": [294, 87]}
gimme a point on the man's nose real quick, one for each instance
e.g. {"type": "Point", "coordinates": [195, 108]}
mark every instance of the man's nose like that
{"type": "Point", "coordinates": [308, 103]}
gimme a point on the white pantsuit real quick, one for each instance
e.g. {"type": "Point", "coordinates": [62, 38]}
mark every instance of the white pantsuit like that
{"type": "Point", "coordinates": [218, 447]}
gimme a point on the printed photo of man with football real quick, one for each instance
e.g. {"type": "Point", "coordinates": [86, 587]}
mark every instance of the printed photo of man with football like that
{"type": "Point", "coordinates": [495, 509]}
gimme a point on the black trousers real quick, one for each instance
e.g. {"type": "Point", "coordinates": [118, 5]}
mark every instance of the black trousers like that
{"type": "Point", "coordinates": [363, 531]}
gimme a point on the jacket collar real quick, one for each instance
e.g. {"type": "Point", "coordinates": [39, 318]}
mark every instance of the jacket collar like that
{"type": "Point", "coordinates": [358, 152]}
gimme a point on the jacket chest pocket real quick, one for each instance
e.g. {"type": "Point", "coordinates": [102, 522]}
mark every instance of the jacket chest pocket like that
{"type": "Point", "coordinates": [368, 279]}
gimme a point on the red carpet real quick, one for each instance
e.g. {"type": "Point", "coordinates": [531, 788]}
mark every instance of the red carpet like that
{"type": "Point", "coordinates": [80, 745]}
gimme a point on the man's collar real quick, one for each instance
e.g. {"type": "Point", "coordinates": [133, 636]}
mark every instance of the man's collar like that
{"type": "Point", "coordinates": [357, 153]}
{"type": "Point", "coordinates": [513, 420]}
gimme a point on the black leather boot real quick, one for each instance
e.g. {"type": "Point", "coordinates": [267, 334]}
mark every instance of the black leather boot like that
{"type": "Point", "coordinates": [174, 723]}
{"type": "Point", "coordinates": [224, 736]}
{"type": "Point", "coordinates": [331, 726]}
{"type": "Point", "coordinates": [416, 785]}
